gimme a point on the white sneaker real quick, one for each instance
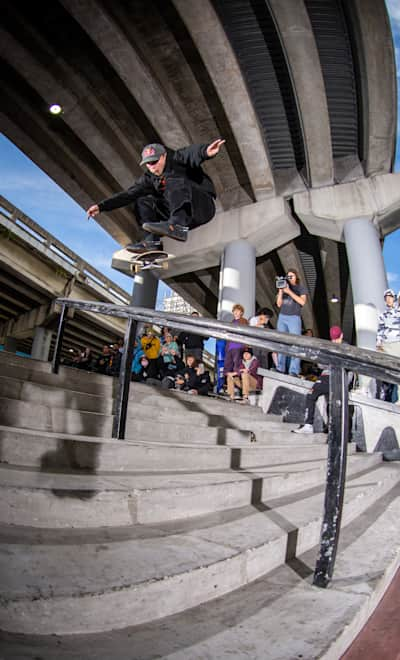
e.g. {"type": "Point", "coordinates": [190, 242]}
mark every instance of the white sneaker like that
{"type": "Point", "coordinates": [304, 428]}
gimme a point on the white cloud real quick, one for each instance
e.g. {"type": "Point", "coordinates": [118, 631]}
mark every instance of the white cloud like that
{"type": "Point", "coordinates": [394, 11]}
{"type": "Point", "coordinates": [393, 278]}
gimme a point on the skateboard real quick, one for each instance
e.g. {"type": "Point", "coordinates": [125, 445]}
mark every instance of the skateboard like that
{"type": "Point", "coordinates": [150, 260]}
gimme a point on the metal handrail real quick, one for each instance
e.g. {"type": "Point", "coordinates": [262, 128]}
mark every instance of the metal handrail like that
{"type": "Point", "coordinates": [338, 357]}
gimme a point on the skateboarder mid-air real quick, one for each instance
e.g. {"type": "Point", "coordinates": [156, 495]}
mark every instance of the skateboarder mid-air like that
{"type": "Point", "coordinates": [171, 197]}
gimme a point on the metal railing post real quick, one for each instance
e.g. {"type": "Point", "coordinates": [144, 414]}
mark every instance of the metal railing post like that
{"type": "Point", "coordinates": [336, 475]}
{"type": "Point", "coordinates": [59, 340]}
{"type": "Point", "coordinates": [121, 403]}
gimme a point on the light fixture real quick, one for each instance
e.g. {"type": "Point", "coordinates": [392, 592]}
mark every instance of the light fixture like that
{"type": "Point", "coordinates": [55, 109]}
{"type": "Point", "coordinates": [334, 298]}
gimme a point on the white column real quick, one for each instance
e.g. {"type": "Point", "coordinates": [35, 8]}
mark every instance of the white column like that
{"type": "Point", "coordinates": [368, 277]}
{"type": "Point", "coordinates": [41, 344]}
{"type": "Point", "coordinates": [237, 279]}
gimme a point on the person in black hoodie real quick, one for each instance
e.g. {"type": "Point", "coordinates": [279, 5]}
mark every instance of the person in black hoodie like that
{"type": "Point", "coordinates": [202, 385]}
{"type": "Point", "coordinates": [171, 197]}
{"type": "Point", "coordinates": [186, 379]}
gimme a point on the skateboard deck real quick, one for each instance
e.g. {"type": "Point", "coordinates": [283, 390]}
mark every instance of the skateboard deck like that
{"type": "Point", "coordinates": [154, 259]}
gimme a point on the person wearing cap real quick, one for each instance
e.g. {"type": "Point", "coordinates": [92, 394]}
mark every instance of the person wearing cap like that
{"type": "Point", "coordinates": [388, 334]}
{"type": "Point", "coordinates": [388, 340]}
{"type": "Point", "coordinates": [320, 387]}
{"type": "Point", "coordinates": [247, 377]}
{"type": "Point", "coordinates": [173, 195]}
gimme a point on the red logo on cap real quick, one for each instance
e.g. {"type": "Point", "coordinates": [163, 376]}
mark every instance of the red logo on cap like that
{"type": "Point", "coordinates": [149, 151]}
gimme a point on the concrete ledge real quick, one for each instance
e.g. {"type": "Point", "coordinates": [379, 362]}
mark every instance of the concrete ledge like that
{"type": "Point", "coordinates": [376, 424]}
{"type": "Point", "coordinates": [324, 211]}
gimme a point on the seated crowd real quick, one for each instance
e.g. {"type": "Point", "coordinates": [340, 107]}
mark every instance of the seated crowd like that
{"type": "Point", "coordinates": [172, 361]}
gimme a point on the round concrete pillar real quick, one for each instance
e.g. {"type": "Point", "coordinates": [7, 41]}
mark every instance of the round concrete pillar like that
{"type": "Point", "coordinates": [237, 279]}
{"type": "Point", "coordinates": [10, 345]}
{"type": "Point", "coordinates": [41, 344]}
{"type": "Point", "coordinates": [368, 277]}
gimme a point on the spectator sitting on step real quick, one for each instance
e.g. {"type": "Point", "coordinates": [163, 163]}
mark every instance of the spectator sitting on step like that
{"type": "Point", "coordinates": [142, 374]}
{"type": "Point", "coordinates": [203, 382]}
{"type": "Point", "coordinates": [138, 352]}
{"type": "Point", "coordinates": [169, 348]}
{"type": "Point", "coordinates": [247, 378]}
{"type": "Point", "coordinates": [186, 379]}
{"type": "Point", "coordinates": [234, 349]}
{"type": "Point", "coordinates": [169, 362]}
{"type": "Point", "coordinates": [191, 343]}
{"type": "Point", "coordinates": [114, 363]}
{"type": "Point", "coordinates": [320, 387]}
{"type": "Point", "coordinates": [84, 359]}
{"type": "Point", "coordinates": [151, 346]}
{"type": "Point", "coordinates": [103, 360]}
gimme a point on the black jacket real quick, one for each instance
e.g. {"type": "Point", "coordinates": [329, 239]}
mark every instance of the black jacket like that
{"type": "Point", "coordinates": [185, 163]}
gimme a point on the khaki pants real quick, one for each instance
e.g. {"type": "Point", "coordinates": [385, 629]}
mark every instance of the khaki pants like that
{"type": "Point", "coordinates": [245, 381]}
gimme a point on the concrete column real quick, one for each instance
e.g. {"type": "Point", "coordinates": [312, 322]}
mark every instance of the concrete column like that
{"type": "Point", "coordinates": [237, 279]}
{"type": "Point", "coordinates": [10, 345]}
{"type": "Point", "coordinates": [144, 292]}
{"type": "Point", "coordinates": [368, 277]}
{"type": "Point", "coordinates": [41, 344]}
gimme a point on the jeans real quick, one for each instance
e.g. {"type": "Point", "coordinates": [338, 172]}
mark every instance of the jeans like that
{"type": "Point", "coordinates": [292, 325]}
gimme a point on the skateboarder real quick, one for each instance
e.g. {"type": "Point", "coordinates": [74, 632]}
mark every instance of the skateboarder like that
{"type": "Point", "coordinates": [171, 197]}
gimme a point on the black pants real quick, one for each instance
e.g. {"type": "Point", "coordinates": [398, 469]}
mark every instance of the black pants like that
{"type": "Point", "coordinates": [320, 388]}
{"type": "Point", "coordinates": [182, 203]}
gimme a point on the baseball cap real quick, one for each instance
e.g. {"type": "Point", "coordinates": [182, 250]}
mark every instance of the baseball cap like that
{"type": "Point", "coordinates": [152, 152]}
{"type": "Point", "coordinates": [389, 292]}
{"type": "Point", "coordinates": [335, 332]}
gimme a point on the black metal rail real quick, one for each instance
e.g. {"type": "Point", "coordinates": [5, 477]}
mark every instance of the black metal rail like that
{"type": "Point", "coordinates": [340, 358]}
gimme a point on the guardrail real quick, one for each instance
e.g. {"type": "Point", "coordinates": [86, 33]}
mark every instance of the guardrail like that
{"type": "Point", "coordinates": [14, 221]}
{"type": "Point", "coordinates": [340, 358]}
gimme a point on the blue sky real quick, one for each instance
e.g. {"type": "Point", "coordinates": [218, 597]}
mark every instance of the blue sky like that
{"type": "Point", "coordinates": [31, 190]}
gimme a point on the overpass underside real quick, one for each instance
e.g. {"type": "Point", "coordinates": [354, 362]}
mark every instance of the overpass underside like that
{"type": "Point", "coordinates": [303, 91]}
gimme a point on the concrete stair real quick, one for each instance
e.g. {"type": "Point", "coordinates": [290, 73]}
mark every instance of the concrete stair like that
{"type": "Point", "coordinates": [187, 526]}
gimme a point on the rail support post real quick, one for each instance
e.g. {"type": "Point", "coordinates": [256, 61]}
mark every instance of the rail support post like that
{"type": "Point", "coordinates": [121, 404]}
{"type": "Point", "coordinates": [59, 340]}
{"type": "Point", "coordinates": [336, 476]}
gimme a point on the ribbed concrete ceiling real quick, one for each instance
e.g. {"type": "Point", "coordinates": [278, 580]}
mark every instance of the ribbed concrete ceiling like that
{"type": "Point", "coordinates": [303, 91]}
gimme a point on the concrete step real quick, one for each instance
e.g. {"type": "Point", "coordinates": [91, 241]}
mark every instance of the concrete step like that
{"type": "Point", "coordinates": [146, 398]}
{"type": "Point", "coordinates": [143, 421]}
{"type": "Point", "coordinates": [37, 371]}
{"type": "Point", "coordinates": [54, 499]}
{"type": "Point", "coordinates": [48, 450]}
{"type": "Point", "coordinates": [248, 623]}
{"type": "Point", "coordinates": [111, 581]}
